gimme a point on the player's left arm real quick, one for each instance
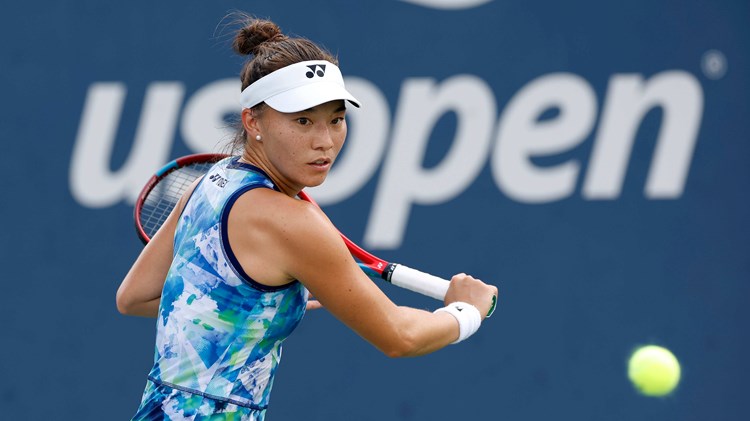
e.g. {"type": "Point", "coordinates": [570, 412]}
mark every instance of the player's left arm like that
{"type": "Point", "coordinates": [312, 251]}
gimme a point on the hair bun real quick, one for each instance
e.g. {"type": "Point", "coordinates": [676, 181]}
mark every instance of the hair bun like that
{"type": "Point", "coordinates": [249, 38]}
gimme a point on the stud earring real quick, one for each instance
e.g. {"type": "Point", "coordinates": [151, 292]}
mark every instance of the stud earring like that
{"type": "Point", "coordinates": [258, 138]}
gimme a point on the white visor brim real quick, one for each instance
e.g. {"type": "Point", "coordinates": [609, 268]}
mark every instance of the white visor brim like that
{"type": "Point", "coordinates": [298, 87]}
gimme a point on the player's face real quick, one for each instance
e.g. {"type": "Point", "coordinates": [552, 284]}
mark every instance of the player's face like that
{"type": "Point", "coordinates": [301, 147]}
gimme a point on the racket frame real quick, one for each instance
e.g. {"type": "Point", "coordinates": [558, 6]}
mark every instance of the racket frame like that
{"type": "Point", "coordinates": [394, 273]}
{"type": "Point", "coordinates": [162, 173]}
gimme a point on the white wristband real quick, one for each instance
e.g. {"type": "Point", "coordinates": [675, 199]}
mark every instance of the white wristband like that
{"type": "Point", "coordinates": [468, 318]}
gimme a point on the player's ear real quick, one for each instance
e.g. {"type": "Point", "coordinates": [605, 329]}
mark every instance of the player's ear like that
{"type": "Point", "coordinates": [250, 121]}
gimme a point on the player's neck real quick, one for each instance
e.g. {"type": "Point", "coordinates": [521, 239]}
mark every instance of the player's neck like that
{"type": "Point", "coordinates": [258, 159]}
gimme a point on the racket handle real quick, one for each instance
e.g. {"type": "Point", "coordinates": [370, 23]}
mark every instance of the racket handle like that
{"type": "Point", "coordinates": [417, 281]}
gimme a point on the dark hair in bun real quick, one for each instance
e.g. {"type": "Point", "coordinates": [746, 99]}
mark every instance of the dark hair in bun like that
{"type": "Point", "coordinates": [271, 49]}
{"type": "Point", "coordinates": [251, 37]}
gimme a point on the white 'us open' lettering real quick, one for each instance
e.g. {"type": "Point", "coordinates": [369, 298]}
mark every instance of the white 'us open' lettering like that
{"type": "Point", "coordinates": [509, 144]}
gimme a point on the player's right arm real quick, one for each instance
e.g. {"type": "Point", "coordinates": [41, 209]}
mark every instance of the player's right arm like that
{"type": "Point", "coordinates": [139, 293]}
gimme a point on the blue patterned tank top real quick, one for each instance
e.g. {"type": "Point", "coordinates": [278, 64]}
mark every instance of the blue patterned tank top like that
{"type": "Point", "coordinates": [219, 332]}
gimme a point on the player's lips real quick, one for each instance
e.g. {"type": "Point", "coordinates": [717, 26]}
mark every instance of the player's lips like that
{"type": "Point", "coordinates": [321, 163]}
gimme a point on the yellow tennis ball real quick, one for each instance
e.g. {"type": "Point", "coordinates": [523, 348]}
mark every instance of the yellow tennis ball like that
{"type": "Point", "coordinates": [654, 370]}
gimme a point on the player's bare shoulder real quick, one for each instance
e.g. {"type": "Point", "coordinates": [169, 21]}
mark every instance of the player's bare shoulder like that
{"type": "Point", "coordinates": [286, 219]}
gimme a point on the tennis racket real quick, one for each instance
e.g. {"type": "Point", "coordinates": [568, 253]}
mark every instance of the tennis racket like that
{"type": "Point", "coordinates": [165, 188]}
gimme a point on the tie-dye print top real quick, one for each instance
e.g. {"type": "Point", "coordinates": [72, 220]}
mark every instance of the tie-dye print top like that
{"type": "Point", "coordinates": [219, 332]}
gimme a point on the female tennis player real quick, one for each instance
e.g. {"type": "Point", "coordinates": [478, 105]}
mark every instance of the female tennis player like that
{"type": "Point", "coordinates": [228, 274]}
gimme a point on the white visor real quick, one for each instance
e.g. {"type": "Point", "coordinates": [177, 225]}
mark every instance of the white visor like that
{"type": "Point", "coordinates": [298, 87]}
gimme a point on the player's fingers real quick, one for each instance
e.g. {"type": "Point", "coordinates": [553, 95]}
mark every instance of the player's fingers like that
{"type": "Point", "coordinates": [313, 305]}
{"type": "Point", "coordinates": [472, 290]}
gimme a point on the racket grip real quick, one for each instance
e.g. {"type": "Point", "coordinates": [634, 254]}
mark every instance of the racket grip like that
{"type": "Point", "coordinates": [417, 281]}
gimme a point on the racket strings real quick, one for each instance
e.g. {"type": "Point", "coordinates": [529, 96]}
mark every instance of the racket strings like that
{"type": "Point", "coordinates": [162, 199]}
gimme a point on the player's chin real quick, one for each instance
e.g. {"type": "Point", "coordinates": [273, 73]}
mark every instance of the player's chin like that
{"type": "Point", "coordinates": [315, 182]}
{"type": "Point", "coordinates": [305, 182]}
{"type": "Point", "coordinates": [316, 177]}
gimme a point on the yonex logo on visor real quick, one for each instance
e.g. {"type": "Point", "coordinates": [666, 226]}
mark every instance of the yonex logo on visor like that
{"type": "Point", "coordinates": [321, 70]}
{"type": "Point", "coordinates": [298, 87]}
